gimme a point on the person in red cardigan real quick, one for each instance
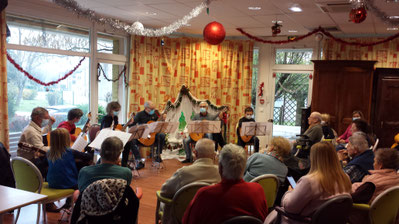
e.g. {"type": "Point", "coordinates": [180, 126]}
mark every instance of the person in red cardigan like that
{"type": "Point", "coordinates": [229, 198]}
{"type": "Point", "coordinates": [74, 116]}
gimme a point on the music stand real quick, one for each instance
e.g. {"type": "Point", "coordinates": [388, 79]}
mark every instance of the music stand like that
{"type": "Point", "coordinates": [203, 126]}
{"type": "Point", "coordinates": [137, 131]}
{"type": "Point", "coordinates": [255, 128]}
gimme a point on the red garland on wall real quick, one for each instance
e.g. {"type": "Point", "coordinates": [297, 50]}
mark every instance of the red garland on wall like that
{"type": "Point", "coordinates": [19, 68]}
{"type": "Point", "coordinates": [321, 30]}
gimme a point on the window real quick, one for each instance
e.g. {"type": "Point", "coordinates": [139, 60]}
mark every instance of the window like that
{"type": "Point", "coordinates": [294, 56]}
{"type": "Point", "coordinates": [110, 44]}
{"type": "Point", "coordinates": [255, 70]}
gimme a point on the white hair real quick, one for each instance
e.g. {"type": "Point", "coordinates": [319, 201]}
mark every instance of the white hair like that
{"type": "Point", "coordinates": [147, 104]}
{"type": "Point", "coordinates": [205, 148]}
{"type": "Point", "coordinates": [317, 115]}
{"type": "Point", "coordinates": [204, 102]}
{"type": "Point", "coordinates": [232, 159]}
{"type": "Point", "coordinates": [359, 141]}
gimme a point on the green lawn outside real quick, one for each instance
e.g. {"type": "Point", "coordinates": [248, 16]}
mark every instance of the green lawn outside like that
{"type": "Point", "coordinates": [28, 105]}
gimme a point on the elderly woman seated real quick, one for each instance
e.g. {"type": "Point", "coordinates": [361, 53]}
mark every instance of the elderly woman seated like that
{"type": "Point", "coordinates": [384, 175]}
{"type": "Point", "coordinates": [271, 162]}
{"type": "Point", "coordinates": [109, 168]}
{"type": "Point", "coordinates": [229, 198]}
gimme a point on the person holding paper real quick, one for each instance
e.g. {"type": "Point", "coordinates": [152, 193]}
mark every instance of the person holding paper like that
{"type": "Point", "coordinates": [217, 137]}
{"type": "Point", "coordinates": [249, 112]}
{"type": "Point", "coordinates": [143, 117]}
{"type": "Point", "coordinates": [74, 116]}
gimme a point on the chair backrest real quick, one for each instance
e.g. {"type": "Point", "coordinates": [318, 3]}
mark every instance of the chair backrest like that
{"type": "Point", "coordinates": [363, 193]}
{"type": "Point", "coordinates": [270, 185]}
{"type": "Point", "coordinates": [385, 206]}
{"type": "Point", "coordinates": [27, 175]}
{"type": "Point", "coordinates": [93, 131]}
{"type": "Point", "coordinates": [334, 211]}
{"type": "Point", "coordinates": [183, 198]}
{"type": "Point", "coordinates": [244, 219]}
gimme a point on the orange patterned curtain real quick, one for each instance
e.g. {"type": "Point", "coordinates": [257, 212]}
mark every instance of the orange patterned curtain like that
{"type": "Point", "coordinates": [221, 73]}
{"type": "Point", "coordinates": [386, 54]}
{"type": "Point", "coordinates": [3, 87]}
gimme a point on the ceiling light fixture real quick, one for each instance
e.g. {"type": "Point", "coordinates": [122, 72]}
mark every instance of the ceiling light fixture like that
{"type": "Point", "coordinates": [151, 13]}
{"type": "Point", "coordinates": [392, 28]}
{"type": "Point", "coordinates": [278, 21]}
{"type": "Point", "coordinates": [393, 17]}
{"type": "Point", "coordinates": [292, 31]}
{"type": "Point", "coordinates": [296, 8]}
{"type": "Point", "coordinates": [255, 8]}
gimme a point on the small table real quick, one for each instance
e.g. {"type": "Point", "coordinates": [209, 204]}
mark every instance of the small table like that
{"type": "Point", "coordinates": [12, 199]}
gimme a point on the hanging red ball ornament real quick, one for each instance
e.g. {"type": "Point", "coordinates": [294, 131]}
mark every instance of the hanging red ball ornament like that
{"type": "Point", "coordinates": [276, 29]}
{"type": "Point", "coordinates": [358, 15]}
{"type": "Point", "coordinates": [214, 33]}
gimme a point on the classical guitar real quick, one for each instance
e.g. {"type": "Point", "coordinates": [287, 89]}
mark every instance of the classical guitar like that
{"type": "Point", "coordinates": [123, 127]}
{"type": "Point", "coordinates": [151, 137]}
{"type": "Point", "coordinates": [198, 136]}
{"type": "Point", "coordinates": [245, 138]}
{"type": "Point", "coordinates": [78, 131]}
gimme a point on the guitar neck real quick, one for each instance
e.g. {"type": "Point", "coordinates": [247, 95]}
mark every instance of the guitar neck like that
{"type": "Point", "coordinates": [86, 126]}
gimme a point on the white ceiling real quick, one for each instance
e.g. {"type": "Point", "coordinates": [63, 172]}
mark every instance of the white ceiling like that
{"type": "Point", "coordinates": [235, 14]}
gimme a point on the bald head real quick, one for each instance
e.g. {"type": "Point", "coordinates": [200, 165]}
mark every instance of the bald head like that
{"type": "Point", "coordinates": [205, 149]}
{"type": "Point", "coordinates": [314, 118]}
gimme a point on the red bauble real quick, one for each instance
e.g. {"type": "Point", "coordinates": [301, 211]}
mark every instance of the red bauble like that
{"type": "Point", "coordinates": [214, 33]}
{"type": "Point", "coordinates": [358, 15]}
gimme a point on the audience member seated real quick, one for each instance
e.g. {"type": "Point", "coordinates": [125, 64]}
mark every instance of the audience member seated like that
{"type": "Point", "coordinates": [313, 134]}
{"type": "Point", "coordinates": [328, 132]}
{"type": "Point", "coordinates": [32, 134]}
{"type": "Point", "coordinates": [324, 181]}
{"type": "Point", "coordinates": [62, 172]}
{"type": "Point", "coordinates": [363, 126]}
{"type": "Point", "coordinates": [362, 157]}
{"type": "Point", "coordinates": [229, 198]}
{"type": "Point", "coordinates": [109, 168]}
{"type": "Point", "coordinates": [202, 170]}
{"type": "Point", "coordinates": [384, 175]}
{"type": "Point", "coordinates": [271, 162]}
{"type": "Point", "coordinates": [344, 138]}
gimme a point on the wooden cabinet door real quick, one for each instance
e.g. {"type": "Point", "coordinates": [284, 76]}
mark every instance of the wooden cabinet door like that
{"type": "Point", "coordinates": [386, 110]}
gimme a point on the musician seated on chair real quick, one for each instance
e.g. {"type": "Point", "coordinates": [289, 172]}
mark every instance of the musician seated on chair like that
{"type": "Point", "coordinates": [32, 134]}
{"type": "Point", "coordinates": [217, 137]}
{"type": "Point", "coordinates": [74, 116]}
{"type": "Point", "coordinates": [147, 115]}
{"type": "Point", "coordinates": [249, 112]}
{"type": "Point", "coordinates": [111, 121]}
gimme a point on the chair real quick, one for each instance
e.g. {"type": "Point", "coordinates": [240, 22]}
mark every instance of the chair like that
{"type": "Point", "coordinates": [244, 219]}
{"type": "Point", "coordinates": [384, 208]}
{"type": "Point", "coordinates": [28, 178]}
{"type": "Point", "coordinates": [333, 211]}
{"type": "Point", "coordinates": [93, 131]}
{"type": "Point", "coordinates": [179, 203]}
{"type": "Point", "coordinates": [270, 185]}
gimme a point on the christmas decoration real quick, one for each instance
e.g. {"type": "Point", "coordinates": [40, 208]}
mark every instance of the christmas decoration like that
{"type": "Point", "coordinates": [19, 68]}
{"type": "Point", "coordinates": [358, 15]}
{"type": "Point", "coordinates": [380, 14]}
{"type": "Point", "coordinates": [323, 31]}
{"type": "Point", "coordinates": [260, 91]}
{"type": "Point", "coordinates": [136, 28]}
{"type": "Point", "coordinates": [101, 70]}
{"type": "Point", "coordinates": [276, 29]}
{"type": "Point", "coordinates": [214, 33]}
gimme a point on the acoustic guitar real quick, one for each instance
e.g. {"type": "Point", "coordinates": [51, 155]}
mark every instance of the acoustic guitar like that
{"type": "Point", "coordinates": [196, 136]}
{"type": "Point", "coordinates": [245, 138]}
{"type": "Point", "coordinates": [123, 128]}
{"type": "Point", "coordinates": [149, 141]}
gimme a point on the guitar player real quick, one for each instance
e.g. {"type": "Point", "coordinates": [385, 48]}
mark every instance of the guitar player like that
{"type": "Point", "coordinates": [74, 116]}
{"type": "Point", "coordinates": [148, 114]}
{"type": "Point", "coordinates": [217, 137]}
{"type": "Point", "coordinates": [242, 141]}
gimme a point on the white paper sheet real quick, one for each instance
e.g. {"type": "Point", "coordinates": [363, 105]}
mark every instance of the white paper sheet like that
{"type": "Point", "coordinates": [80, 143]}
{"type": "Point", "coordinates": [105, 133]}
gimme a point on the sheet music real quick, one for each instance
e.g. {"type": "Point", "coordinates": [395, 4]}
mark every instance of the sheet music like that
{"type": "Point", "coordinates": [203, 126]}
{"type": "Point", "coordinates": [170, 127]}
{"type": "Point", "coordinates": [136, 131]}
{"type": "Point", "coordinates": [105, 133]}
{"type": "Point", "coordinates": [256, 128]}
{"type": "Point", "coordinates": [80, 143]}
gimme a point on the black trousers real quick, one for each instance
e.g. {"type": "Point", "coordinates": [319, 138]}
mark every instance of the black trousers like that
{"type": "Point", "coordinates": [254, 140]}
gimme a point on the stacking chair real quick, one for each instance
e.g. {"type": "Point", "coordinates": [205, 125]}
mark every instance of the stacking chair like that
{"type": "Point", "coordinates": [384, 208]}
{"type": "Point", "coordinates": [244, 219]}
{"type": "Point", "coordinates": [179, 203]}
{"type": "Point", "coordinates": [28, 178]}
{"type": "Point", "coordinates": [270, 185]}
{"type": "Point", "coordinates": [333, 211]}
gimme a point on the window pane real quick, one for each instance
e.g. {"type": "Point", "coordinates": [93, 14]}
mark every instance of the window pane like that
{"type": "Point", "coordinates": [254, 88]}
{"type": "Point", "coordinates": [39, 33]}
{"type": "Point", "coordinates": [291, 95]}
{"type": "Point", "coordinates": [256, 56]}
{"type": "Point", "coordinates": [294, 56]}
{"type": "Point", "coordinates": [25, 94]}
{"type": "Point", "coordinates": [110, 44]}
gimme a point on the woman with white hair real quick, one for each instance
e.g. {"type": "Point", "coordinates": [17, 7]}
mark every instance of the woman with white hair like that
{"type": "Point", "coordinates": [229, 198]}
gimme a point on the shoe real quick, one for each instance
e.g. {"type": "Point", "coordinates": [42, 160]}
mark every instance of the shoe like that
{"type": "Point", "coordinates": [158, 160]}
{"type": "Point", "coordinates": [139, 166]}
{"type": "Point", "coordinates": [51, 207]}
{"type": "Point", "coordinates": [186, 161]}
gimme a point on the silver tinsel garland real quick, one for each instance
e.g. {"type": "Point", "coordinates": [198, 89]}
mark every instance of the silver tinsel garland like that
{"type": "Point", "coordinates": [369, 4]}
{"type": "Point", "coordinates": [137, 28]}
